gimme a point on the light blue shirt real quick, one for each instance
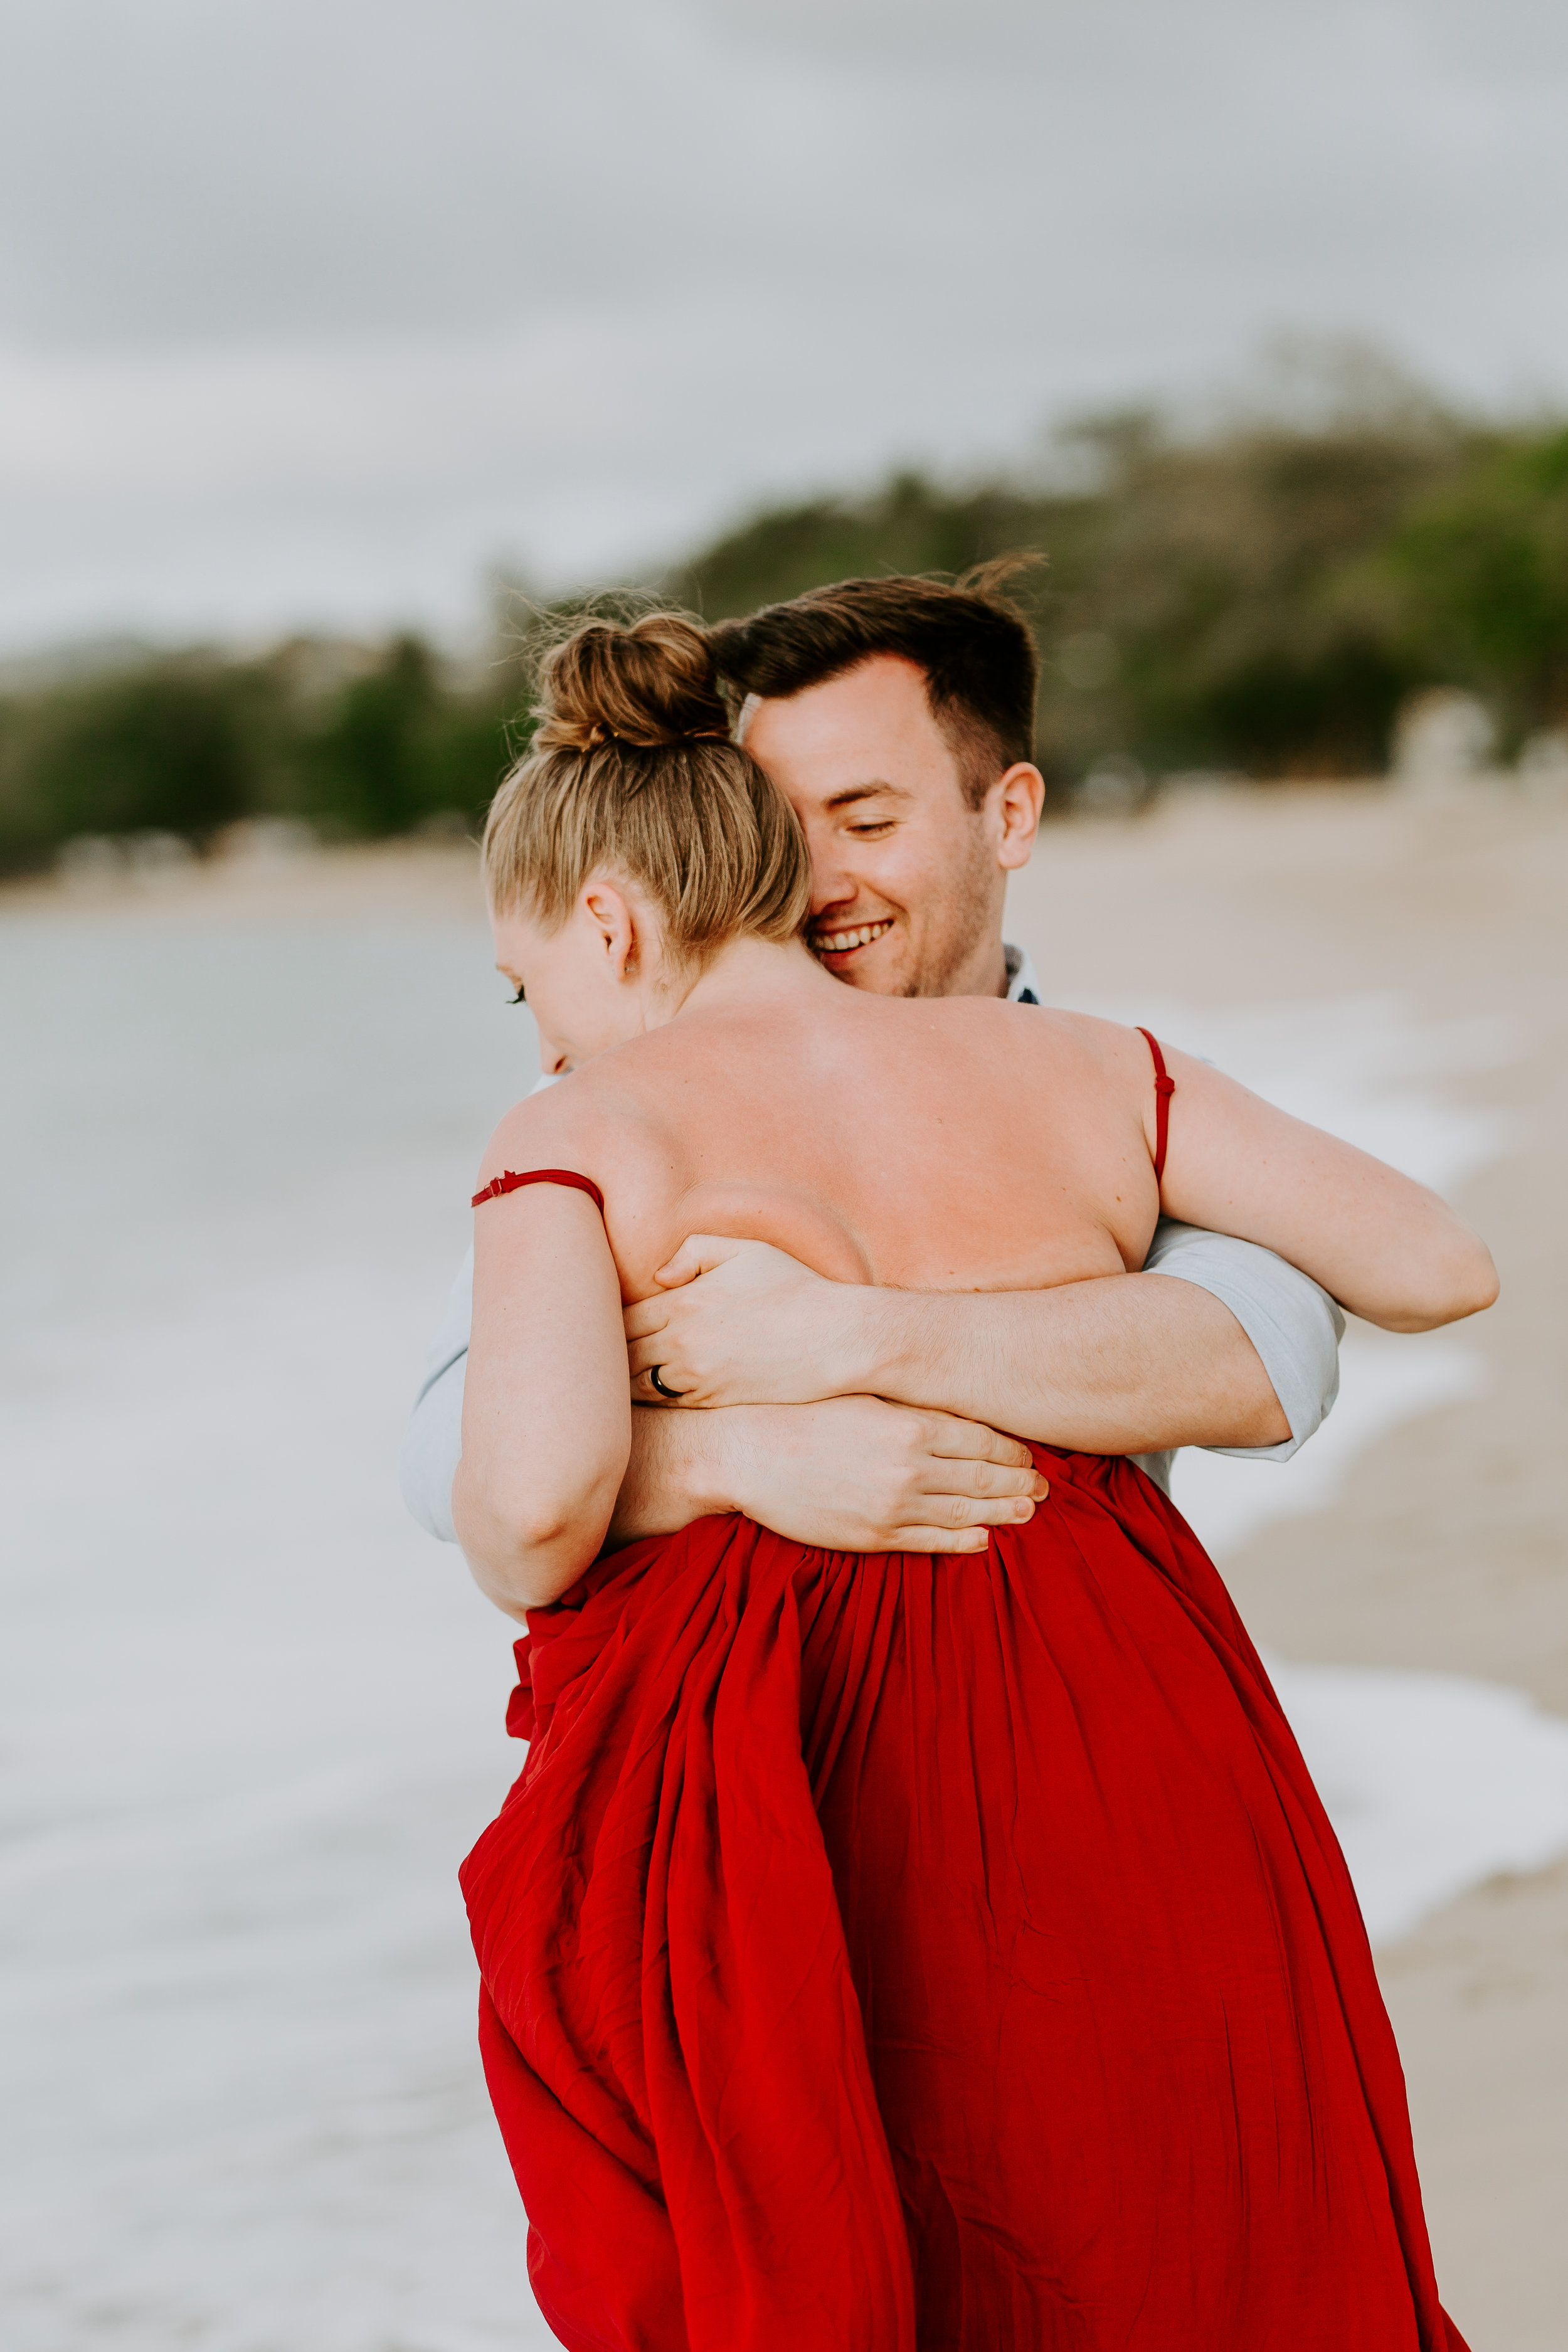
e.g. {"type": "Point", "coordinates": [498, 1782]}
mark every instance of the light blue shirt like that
{"type": "Point", "coordinates": [1295, 1326]}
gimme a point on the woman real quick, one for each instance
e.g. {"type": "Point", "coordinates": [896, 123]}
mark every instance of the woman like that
{"type": "Point", "coordinates": [892, 1951]}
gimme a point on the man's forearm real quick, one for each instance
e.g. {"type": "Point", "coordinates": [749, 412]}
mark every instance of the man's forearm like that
{"type": "Point", "coordinates": [848, 1473]}
{"type": "Point", "coordinates": [1131, 1364]}
{"type": "Point", "coordinates": [674, 1474]}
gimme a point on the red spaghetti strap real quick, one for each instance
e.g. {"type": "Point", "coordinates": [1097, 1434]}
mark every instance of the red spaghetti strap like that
{"type": "Point", "coordinates": [1164, 1087]}
{"type": "Point", "coordinates": [510, 1182]}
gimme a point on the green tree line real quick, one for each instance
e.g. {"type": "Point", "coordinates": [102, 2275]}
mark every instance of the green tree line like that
{"type": "Point", "coordinates": [1259, 601]}
{"type": "Point", "coordinates": [354, 740]}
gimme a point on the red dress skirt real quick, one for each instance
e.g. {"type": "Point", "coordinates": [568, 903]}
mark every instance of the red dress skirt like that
{"type": "Point", "coordinates": [897, 1951]}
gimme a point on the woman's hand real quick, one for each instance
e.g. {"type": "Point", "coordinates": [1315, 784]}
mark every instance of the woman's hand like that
{"type": "Point", "coordinates": [738, 1322]}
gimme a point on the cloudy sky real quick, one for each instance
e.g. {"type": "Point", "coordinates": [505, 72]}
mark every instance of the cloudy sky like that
{"type": "Point", "coordinates": [312, 311]}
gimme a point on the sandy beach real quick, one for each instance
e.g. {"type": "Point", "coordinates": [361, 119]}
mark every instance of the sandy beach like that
{"type": "Point", "coordinates": [1446, 1546]}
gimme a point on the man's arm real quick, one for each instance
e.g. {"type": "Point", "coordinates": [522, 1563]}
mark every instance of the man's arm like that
{"type": "Point", "coordinates": [852, 1475]}
{"type": "Point", "coordinates": [1229, 1349]}
{"type": "Point", "coordinates": [1295, 1327]}
{"type": "Point", "coordinates": [1131, 1364]}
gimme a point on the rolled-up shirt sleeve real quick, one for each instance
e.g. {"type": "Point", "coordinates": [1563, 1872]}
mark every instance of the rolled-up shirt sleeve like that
{"type": "Point", "coordinates": [1294, 1324]}
{"type": "Point", "coordinates": [433, 1441]}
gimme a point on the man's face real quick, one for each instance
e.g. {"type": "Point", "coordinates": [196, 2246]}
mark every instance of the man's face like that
{"type": "Point", "coordinates": [907, 879]}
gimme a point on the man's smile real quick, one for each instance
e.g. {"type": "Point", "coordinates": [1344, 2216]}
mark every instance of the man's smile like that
{"type": "Point", "coordinates": [842, 940]}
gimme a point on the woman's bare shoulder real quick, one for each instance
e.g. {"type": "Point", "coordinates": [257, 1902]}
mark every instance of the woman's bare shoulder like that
{"type": "Point", "coordinates": [1111, 1045]}
{"type": "Point", "coordinates": [1049, 1033]}
{"type": "Point", "coordinates": [587, 1121]}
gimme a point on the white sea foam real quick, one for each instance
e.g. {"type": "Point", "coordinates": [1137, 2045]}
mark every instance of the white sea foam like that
{"type": "Point", "coordinates": [1433, 1781]}
{"type": "Point", "coordinates": [253, 1717]}
{"type": "Point", "coordinates": [1383, 1381]}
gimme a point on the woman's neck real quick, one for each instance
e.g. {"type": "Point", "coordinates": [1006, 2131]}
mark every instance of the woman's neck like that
{"type": "Point", "coordinates": [748, 970]}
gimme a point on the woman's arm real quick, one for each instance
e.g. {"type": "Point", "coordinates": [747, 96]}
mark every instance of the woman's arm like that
{"type": "Point", "coordinates": [546, 1411]}
{"type": "Point", "coordinates": [1384, 1246]}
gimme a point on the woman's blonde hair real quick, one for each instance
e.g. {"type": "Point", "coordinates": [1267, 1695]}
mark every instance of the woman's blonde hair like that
{"type": "Point", "coordinates": [633, 769]}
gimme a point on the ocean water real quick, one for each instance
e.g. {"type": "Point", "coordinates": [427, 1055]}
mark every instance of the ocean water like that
{"type": "Point", "coordinates": [253, 1717]}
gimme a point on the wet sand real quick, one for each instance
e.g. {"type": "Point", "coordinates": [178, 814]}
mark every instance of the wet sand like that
{"type": "Point", "coordinates": [1447, 1547]}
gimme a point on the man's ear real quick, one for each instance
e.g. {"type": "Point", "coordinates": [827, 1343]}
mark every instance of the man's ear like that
{"type": "Point", "coordinates": [1020, 795]}
{"type": "Point", "coordinates": [610, 913]}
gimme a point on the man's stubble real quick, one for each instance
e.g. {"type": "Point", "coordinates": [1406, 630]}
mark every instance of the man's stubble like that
{"type": "Point", "coordinates": [968, 917]}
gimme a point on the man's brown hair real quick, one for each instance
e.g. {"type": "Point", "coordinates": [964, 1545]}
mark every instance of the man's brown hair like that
{"type": "Point", "coordinates": [974, 648]}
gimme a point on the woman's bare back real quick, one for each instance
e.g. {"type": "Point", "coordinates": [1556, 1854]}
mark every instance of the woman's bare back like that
{"type": "Point", "coordinates": [953, 1144]}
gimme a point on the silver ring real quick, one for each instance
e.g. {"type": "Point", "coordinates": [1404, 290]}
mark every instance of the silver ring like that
{"type": "Point", "coordinates": [674, 1395]}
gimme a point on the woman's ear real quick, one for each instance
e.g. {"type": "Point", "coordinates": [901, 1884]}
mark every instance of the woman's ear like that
{"type": "Point", "coordinates": [610, 913]}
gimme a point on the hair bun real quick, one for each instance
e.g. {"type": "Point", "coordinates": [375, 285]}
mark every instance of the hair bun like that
{"type": "Point", "coordinates": [648, 683]}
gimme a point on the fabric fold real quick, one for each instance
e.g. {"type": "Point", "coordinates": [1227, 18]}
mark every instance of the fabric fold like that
{"type": "Point", "coordinates": [950, 1953]}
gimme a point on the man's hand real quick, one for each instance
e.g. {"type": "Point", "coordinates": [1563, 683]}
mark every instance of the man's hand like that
{"type": "Point", "coordinates": [851, 1475]}
{"type": "Point", "coordinates": [738, 1322]}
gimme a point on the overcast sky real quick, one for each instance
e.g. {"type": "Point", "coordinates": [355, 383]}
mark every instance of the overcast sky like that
{"type": "Point", "coordinates": [312, 311]}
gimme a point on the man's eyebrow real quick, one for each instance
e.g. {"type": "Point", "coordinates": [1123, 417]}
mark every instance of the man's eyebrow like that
{"type": "Point", "coordinates": [878, 791]}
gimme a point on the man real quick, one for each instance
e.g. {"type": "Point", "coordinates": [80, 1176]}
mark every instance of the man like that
{"type": "Point", "coordinates": [898, 717]}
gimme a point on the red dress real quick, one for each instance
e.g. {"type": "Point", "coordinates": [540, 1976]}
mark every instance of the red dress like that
{"type": "Point", "coordinates": [897, 1951]}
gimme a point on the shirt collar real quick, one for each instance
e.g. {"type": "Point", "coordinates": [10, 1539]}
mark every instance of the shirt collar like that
{"type": "Point", "coordinates": [1022, 983]}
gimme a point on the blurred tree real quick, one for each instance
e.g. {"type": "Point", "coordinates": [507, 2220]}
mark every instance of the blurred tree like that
{"type": "Point", "coordinates": [1259, 597]}
{"type": "Point", "coordinates": [909, 525]}
{"type": "Point", "coordinates": [29, 829]}
{"type": "Point", "coordinates": [1212, 571]}
{"type": "Point", "coordinates": [1480, 570]}
{"type": "Point", "coordinates": [179, 748]}
{"type": "Point", "coordinates": [1199, 608]}
{"type": "Point", "coordinates": [397, 746]}
{"type": "Point", "coordinates": [369, 767]}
